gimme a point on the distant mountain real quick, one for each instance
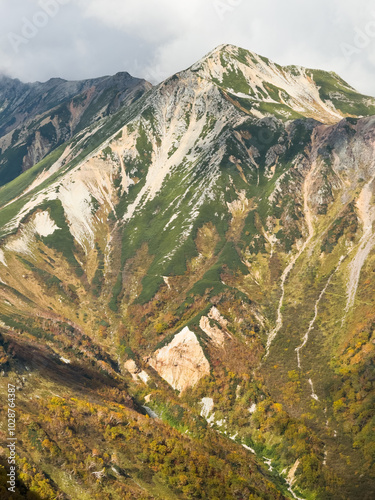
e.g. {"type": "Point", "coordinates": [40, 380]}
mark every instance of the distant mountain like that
{"type": "Point", "coordinates": [187, 291]}
{"type": "Point", "coordinates": [35, 118]}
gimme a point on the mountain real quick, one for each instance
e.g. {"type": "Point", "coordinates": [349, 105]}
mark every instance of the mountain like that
{"type": "Point", "coordinates": [37, 118]}
{"type": "Point", "coordinates": [187, 292]}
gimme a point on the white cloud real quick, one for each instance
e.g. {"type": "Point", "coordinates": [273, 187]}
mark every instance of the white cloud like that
{"type": "Point", "coordinates": [154, 39]}
{"type": "Point", "coordinates": [153, 20]}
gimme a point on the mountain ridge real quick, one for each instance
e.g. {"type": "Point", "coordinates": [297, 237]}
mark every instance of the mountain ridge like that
{"type": "Point", "coordinates": [55, 111]}
{"type": "Point", "coordinates": [284, 79]}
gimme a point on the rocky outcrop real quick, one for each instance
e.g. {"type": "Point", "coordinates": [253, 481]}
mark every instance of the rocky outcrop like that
{"type": "Point", "coordinates": [182, 362]}
{"type": "Point", "coordinates": [135, 371]}
{"type": "Point", "coordinates": [216, 334]}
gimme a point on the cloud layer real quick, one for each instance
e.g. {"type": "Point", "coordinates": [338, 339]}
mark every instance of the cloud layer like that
{"type": "Point", "coordinates": [77, 39]}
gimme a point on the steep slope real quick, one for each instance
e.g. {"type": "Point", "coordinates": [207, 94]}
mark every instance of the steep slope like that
{"type": "Point", "coordinates": [212, 245]}
{"type": "Point", "coordinates": [261, 87]}
{"type": "Point", "coordinates": [36, 118]}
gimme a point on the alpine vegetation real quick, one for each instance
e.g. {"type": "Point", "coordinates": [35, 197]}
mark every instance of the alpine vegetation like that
{"type": "Point", "coordinates": [187, 284]}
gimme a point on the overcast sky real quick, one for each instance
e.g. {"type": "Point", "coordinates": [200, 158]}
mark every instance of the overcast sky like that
{"type": "Point", "coordinates": [76, 39]}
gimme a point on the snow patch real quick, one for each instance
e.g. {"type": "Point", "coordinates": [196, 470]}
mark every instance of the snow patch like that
{"type": "Point", "coordinates": [166, 281]}
{"type": "Point", "coordinates": [44, 225]}
{"type": "Point", "coordinates": [313, 395]}
{"type": "Point", "coordinates": [221, 422]}
{"type": "Point", "coordinates": [207, 406]}
{"type": "Point", "coordinates": [248, 448]}
{"type": "Point", "coordinates": [174, 217]}
{"type": "Point", "coordinates": [268, 462]}
{"type": "Point", "coordinates": [150, 412]}
{"type": "Point", "coordinates": [252, 408]}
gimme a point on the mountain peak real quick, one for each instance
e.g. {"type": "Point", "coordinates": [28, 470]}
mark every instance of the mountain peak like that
{"type": "Point", "coordinates": [230, 50]}
{"type": "Point", "coordinates": [261, 87]}
{"type": "Point", "coordinates": [223, 47]}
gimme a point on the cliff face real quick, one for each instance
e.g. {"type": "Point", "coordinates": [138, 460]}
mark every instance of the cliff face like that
{"type": "Point", "coordinates": [216, 238]}
{"type": "Point", "coordinates": [182, 362]}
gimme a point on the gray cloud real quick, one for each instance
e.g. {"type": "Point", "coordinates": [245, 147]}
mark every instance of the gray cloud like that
{"type": "Point", "coordinates": [153, 39]}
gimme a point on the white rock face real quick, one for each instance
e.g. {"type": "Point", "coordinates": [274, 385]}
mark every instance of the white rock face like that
{"type": "Point", "coordinates": [92, 180]}
{"type": "Point", "coordinates": [300, 92]}
{"type": "Point", "coordinates": [215, 314]}
{"type": "Point", "coordinates": [131, 367]}
{"type": "Point", "coordinates": [238, 206]}
{"type": "Point", "coordinates": [181, 363]}
{"type": "Point", "coordinates": [150, 412]}
{"type": "Point", "coordinates": [76, 190]}
{"type": "Point", "coordinates": [292, 472]}
{"type": "Point", "coordinates": [22, 243]}
{"type": "Point", "coordinates": [216, 334]}
{"type": "Point", "coordinates": [2, 258]}
{"type": "Point", "coordinates": [136, 372]}
{"type": "Point", "coordinates": [143, 376]}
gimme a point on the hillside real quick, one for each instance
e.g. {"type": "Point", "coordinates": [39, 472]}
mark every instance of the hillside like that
{"type": "Point", "coordinates": [186, 292]}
